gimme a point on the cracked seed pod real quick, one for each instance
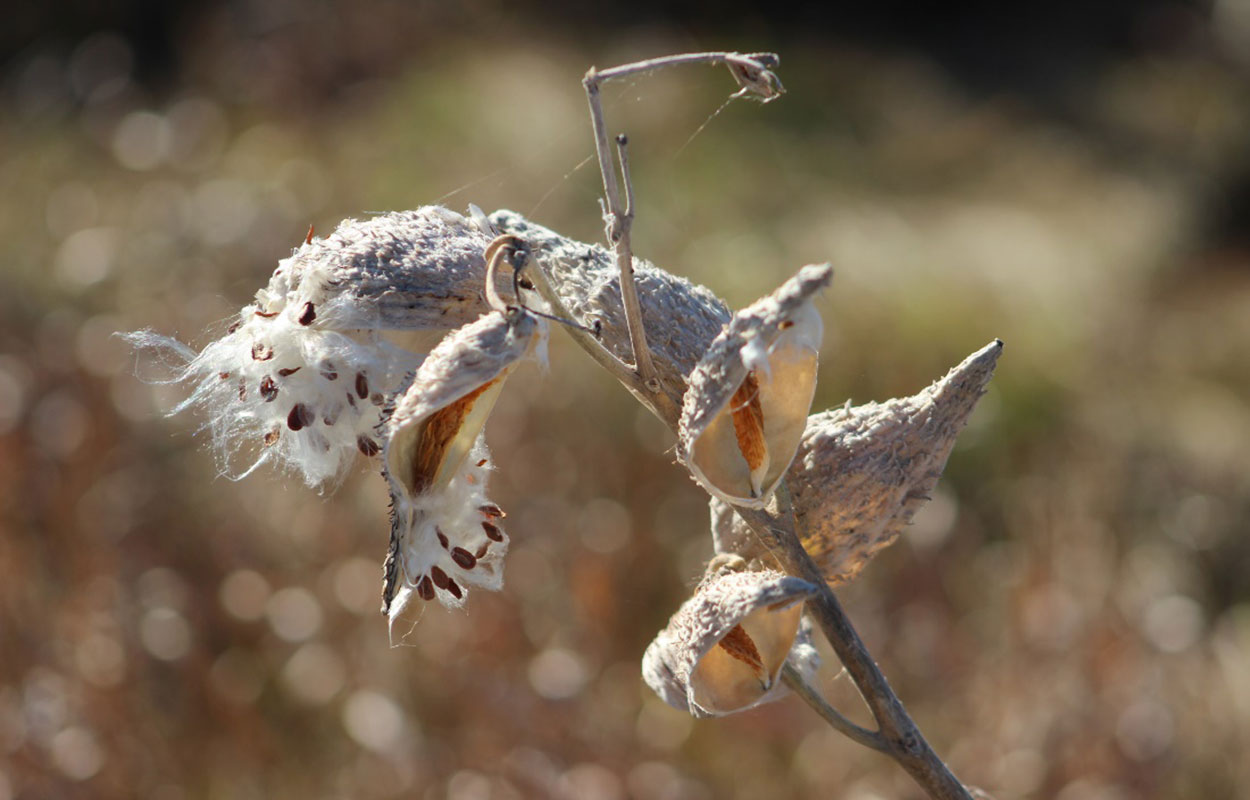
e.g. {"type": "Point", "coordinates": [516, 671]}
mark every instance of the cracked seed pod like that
{"type": "Point", "coordinates": [749, 397]}
{"type": "Point", "coordinates": [724, 648]}
{"type": "Point", "coordinates": [445, 533]}
{"type": "Point", "coordinates": [300, 376]}
{"type": "Point", "coordinates": [862, 472]}
{"type": "Point", "coordinates": [681, 318]}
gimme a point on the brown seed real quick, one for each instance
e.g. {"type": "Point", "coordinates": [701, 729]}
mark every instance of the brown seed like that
{"type": "Point", "coordinates": [268, 389]}
{"type": "Point", "coordinates": [463, 557]}
{"type": "Point", "coordinates": [261, 352]}
{"type": "Point", "coordinates": [234, 327]}
{"type": "Point", "coordinates": [242, 389]}
{"type": "Point", "coordinates": [223, 375]}
{"type": "Point", "coordinates": [442, 537]}
{"type": "Point", "coordinates": [362, 385]}
{"type": "Point", "coordinates": [482, 463]}
{"type": "Point", "coordinates": [425, 588]}
{"type": "Point", "coordinates": [481, 551]}
{"type": "Point", "coordinates": [308, 238]}
{"type": "Point", "coordinates": [272, 437]}
{"type": "Point", "coordinates": [300, 417]}
{"type": "Point", "coordinates": [351, 400]}
{"type": "Point", "coordinates": [748, 419]}
{"type": "Point", "coordinates": [367, 446]}
{"type": "Point", "coordinates": [785, 325]}
{"type": "Point", "coordinates": [739, 645]}
{"type": "Point", "coordinates": [267, 314]}
{"type": "Point", "coordinates": [328, 375]}
{"type": "Point", "coordinates": [440, 577]}
{"type": "Point", "coordinates": [377, 399]}
{"type": "Point", "coordinates": [454, 588]}
{"type": "Point", "coordinates": [307, 314]}
{"type": "Point", "coordinates": [331, 417]}
{"type": "Point", "coordinates": [288, 371]}
{"type": "Point", "coordinates": [492, 532]}
{"type": "Point", "coordinates": [492, 510]}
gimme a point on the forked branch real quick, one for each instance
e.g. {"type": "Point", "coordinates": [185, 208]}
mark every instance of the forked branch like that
{"type": "Point", "coordinates": [752, 72]}
{"type": "Point", "coordinates": [898, 736]}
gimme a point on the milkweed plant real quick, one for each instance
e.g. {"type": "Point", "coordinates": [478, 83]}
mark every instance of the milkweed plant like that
{"type": "Point", "coordinates": [306, 378]}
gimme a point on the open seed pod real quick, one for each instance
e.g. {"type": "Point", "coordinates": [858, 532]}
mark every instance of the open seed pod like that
{"type": "Point", "coordinates": [724, 648]}
{"type": "Point", "coordinates": [862, 472]}
{"type": "Point", "coordinates": [445, 533]}
{"type": "Point", "coordinates": [749, 397]}
{"type": "Point", "coordinates": [300, 376]}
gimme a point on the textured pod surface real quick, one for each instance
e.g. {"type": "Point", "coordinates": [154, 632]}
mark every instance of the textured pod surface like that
{"type": "Point", "coordinates": [862, 472]}
{"type": "Point", "coordinates": [724, 648]}
{"type": "Point", "coordinates": [681, 318]}
{"type": "Point", "coordinates": [750, 395]}
{"type": "Point", "coordinates": [299, 378]}
{"type": "Point", "coordinates": [445, 533]}
{"type": "Point", "coordinates": [404, 270]}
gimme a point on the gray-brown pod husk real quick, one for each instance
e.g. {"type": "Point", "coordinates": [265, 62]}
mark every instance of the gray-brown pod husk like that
{"type": "Point", "coordinates": [724, 648]}
{"type": "Point", "coordinates": [403, 270]}
{"type": "Point", "coordinates": [681, 318]}
{"type": "Point", "coordinates": [445, 533]}
{"type": "Point", "coordinates": [862, 472]}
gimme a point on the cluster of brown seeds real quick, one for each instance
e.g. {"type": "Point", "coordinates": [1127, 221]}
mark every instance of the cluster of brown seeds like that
{"type": "Point", "coordinates": [437, 578]}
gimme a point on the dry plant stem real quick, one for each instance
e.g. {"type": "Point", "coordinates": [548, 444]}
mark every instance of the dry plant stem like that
{"type": "Point", "coordinates": [901, 738]}
{"type": "Point", "coordinates": [754, 61]}
{"type": "Point", "coordinates": [658, 402]}
{"type": "Point", "coordinates": [898, 736]}
{"type": "Point", "coordinates": [869, 739]}
{"type": "Point", "coordinates": [619, 221]}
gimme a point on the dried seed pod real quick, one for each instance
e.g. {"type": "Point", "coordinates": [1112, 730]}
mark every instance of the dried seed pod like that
{"type": "Point", "coordinates": [749, 397]}
{"type": "Point", "coordinates": [405, 270]}
{"type": "Point", "coordinates": [681, 318]}
{"type": "Point", "coordinates": [724, 648]}
{"type": "Point", "coordinates": [437, 465]}
{"type": "Point", "coordinates": [322, 305]}
{"type": "Point", "coordinates": [862, 472]}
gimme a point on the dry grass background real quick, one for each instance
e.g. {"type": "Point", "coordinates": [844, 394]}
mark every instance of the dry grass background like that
{"type": "Point", "coordinates": [1070, 617]}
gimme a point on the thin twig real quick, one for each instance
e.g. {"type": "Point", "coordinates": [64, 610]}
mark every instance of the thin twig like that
{"type": "Point", "coordinates": [813, 698]}
{"type": "Point", "coordinates": [753, 74]}
{"type": "Point", "coordinates": [618, 222]}
{"type": "Point", "coordinates": [752, 71]}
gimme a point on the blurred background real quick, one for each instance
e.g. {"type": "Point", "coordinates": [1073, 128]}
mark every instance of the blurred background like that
{"type": "Point", "coordinates": [1069, 617]}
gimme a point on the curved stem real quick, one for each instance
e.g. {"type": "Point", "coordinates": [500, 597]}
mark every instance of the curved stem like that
{"type": "Point", "coordinates": [903, 740]}
{"type": "Point", "coordinates": [809, 695]}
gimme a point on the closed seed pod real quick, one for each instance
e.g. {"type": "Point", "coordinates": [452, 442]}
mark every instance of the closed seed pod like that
{"type": "Point", "coordinates": [724, 648]}
{"type": "Point", "coordinates": [681, 318]}
{"type": "Point", "coordinates": [445, 533]}
{"type": "Point", "coordinates": [749, 397]}
{"type": "Point", "coordinates": [862, 472]}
